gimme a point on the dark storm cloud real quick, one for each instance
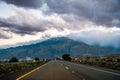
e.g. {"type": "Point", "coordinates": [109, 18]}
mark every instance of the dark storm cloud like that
{"type": "Point", "coordinates": [101, 12]}
{"type": "Point", "coordinates": [24, 22]}
{"type": "Point", "coordinates": [22, 28]}
{"type": "Point", "coordinates": [26, 3]}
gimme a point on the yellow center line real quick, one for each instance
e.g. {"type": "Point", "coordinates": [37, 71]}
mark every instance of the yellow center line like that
{"type": "Point", "coordinates": [31, 72]}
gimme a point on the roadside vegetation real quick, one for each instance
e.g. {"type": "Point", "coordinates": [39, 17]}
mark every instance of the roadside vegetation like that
{"type": "Point", "coordinates": [14, 65]}
{"type": "Point", "coordinates": [112, 62]}
{"type": "Point", "coordinates": [66, 57]}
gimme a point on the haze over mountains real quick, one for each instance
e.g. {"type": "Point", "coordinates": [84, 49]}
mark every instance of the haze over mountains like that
{"type": "Point", "coordinates": [56, 47]}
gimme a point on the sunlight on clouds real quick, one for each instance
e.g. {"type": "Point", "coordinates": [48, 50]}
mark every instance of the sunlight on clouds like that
{"type": "Point", "coordinates": [17, 39]}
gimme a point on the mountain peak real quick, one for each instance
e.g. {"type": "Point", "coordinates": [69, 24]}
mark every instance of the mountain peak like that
{"type": "Point", "coordinates": [54, 47]}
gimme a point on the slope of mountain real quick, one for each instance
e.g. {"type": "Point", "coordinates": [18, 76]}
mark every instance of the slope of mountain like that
{"type": "Point", "coordinates": [54, 47]}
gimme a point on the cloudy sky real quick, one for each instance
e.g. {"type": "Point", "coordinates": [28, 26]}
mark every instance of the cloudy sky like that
{"type": "Point", "coordinates": [29, 21]}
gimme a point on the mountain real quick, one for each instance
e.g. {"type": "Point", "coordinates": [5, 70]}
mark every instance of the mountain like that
{"type": "Point", "coordinates": [55, 47]}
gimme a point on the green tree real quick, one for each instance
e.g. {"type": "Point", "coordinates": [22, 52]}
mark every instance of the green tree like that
{"type": "Point", "coordinates": [66, 57]}
{"type": "Point", "coordinates": [36, 59]}
{"type": "Point", "coordinates": [13, 59]}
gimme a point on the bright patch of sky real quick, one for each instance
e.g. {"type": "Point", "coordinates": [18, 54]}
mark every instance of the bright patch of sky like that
{"type": "Point", "coordinates": [6, 10]}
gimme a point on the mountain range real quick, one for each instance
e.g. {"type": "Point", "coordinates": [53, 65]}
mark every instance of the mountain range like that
{"type": "Point", "coordinates": [56, 47]}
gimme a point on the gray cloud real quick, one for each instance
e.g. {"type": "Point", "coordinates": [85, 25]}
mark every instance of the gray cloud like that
{"type": "Point", "coordinates": [3, 36]}
{"type": "Point", "coordinates": [24, 23]}
{"type": "Point", "coordinates": [101, 12]}
{"type": "Point", "coordinates": [4, 33]}
{"type": "Point", "coordinates": [20, 29]}
{"type": "Point", "coordinates": [26, 3]}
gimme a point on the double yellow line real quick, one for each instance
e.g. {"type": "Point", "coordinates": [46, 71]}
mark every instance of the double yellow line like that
{"type": "Point", "coordinates": [31, 72]}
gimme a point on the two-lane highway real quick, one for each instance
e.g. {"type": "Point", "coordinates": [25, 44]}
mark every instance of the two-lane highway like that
{"type": "Point", "coordinates": [53, 70]}
{"type": "Point", "coordinates": [62, 70]}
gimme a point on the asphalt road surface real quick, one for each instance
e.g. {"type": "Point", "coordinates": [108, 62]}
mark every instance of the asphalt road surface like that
{"type": "Point", "coordinates": [62, 70]}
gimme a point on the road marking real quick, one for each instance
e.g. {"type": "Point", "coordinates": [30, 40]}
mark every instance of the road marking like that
{"type": "Point", "coordinates": [31, 71]}
{"type": "Point", "coordinates": [102, 70]}
{"type": "Point", "coordinates": [66, 67]}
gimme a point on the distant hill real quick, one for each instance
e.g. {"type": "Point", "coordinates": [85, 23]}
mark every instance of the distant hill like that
{"type": "Point", "coordinates": [55, 47]}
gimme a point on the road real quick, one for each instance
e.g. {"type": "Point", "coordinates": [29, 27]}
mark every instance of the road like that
{"type": "Point", "coordinates": [62, 70]}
